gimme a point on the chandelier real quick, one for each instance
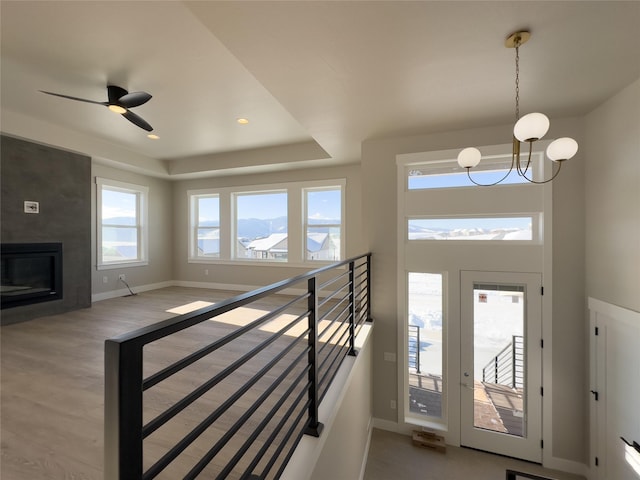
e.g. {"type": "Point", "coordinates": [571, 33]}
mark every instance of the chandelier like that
{"type": "Point", "coordinates": [528, 129]}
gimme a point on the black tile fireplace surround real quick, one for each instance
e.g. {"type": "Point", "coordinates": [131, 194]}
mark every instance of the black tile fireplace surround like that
{"type": "Point", "coordinates": [31, 273]}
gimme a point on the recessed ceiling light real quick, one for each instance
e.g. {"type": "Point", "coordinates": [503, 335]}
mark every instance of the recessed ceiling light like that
{"type": "Point", "coordinates": [153, 136]}
{"type": "Point", "coordinates": [117, 109]}
{"type": "Point", "coordinates": [242, 121]}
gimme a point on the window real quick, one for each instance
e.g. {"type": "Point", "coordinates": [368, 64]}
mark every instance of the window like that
{"type": "Point", "coordinates": [448, 174]}
{"type": "Point", "coordinates": [122, 230]}
{"type": "Point", "coordinates": [323, 223]}
{"type": "Point", "coordinates": [288, 224]}
{"type": "Point", "coordinates": [425, 344]}
{"type": "Point", "coordinates": [206, 226]}
{"type": "Point", "coordinates": [500, 228]}
{"type": "Point", "coordinates": [261, 224]}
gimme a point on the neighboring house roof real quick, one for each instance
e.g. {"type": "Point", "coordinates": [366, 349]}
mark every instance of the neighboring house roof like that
{"type": "Point", "coordinates": [316, 241]}
{"type": "Point", "coordinates": [268, 243]}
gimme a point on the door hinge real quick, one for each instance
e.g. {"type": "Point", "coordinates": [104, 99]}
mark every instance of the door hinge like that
{"type": "Point", "coordinates": [596, 461]}
{"type": "Point", "coordinates": [541, 443]}
{"type": "Point", "coordinates": [597, 331]}
{"type": "Point", "coordinates": [542, 391]}
{"type": "Point", "coordinates": [595, 395]}
{"type": "Point", "coordinates": [541, 290]}
{"type": "Point", "coordinates": [542, 343]}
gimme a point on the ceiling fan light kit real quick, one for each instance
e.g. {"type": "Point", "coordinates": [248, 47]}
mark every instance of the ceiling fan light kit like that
{"type": "Point", "coordinates": [119, 101]}
{"type": "Point", "coordinates": [527, 129]}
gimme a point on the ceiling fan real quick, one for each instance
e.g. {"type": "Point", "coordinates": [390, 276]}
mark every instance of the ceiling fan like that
{"type": "Point", "coordinates": [120, 101]}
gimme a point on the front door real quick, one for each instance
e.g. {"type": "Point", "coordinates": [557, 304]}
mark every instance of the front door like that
{"type": "Point", "coordinates": [501, 374]}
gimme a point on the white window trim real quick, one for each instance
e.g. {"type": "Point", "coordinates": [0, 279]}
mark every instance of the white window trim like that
{"type": "Point", "coordinates": [142, 207]}
{"type": "Point", "coordinates": [295, 217]}
{"type": "Point", "coordinates": [536, 228]}
{"type": "Point", "coordinates": [194, 225]}
{"type": "Point", "coordinates": [305, 219]}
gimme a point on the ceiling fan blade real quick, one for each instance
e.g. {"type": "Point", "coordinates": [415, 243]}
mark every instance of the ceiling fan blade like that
{"type": "Point", "coordinates": [74, 98]}
{"type": "Point", "coordinates": [137, 120]}
{"type": "Point", "coordinates": [115, 93]}
{"type": "Point", "coordinates": [134, 99]}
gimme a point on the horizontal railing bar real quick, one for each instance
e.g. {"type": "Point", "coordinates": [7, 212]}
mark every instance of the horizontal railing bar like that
{"type": "Point", "coordinates": [263, 424]}
{"type": "Point", "coordinates": [219, 445]}
{"type": "Point", "coordinates": [275, 433]}
{"type": "Point", "coordinates": [167, 327]}
{"type": "Point", "coordinates": [194, 357]}
{"type": "Point", "coordinates": [336, 345]}
{"type": "Point", "coordinates": [344, 325]}
{"type": "Point", "coordinates": [176, 408]}
{"type": "Point", "coordinates": [188, 439]}
{"type": "Point", "coordinates": [334, 320]}
{"type": "Point", "coordinates": [281, 446]}
{"type": "Point", "coordinates": [358, 285]}
{"type": "Point", "coordinates": [326, 298]}
{"type": "Point", "coordinates": [324, 285]}
{"type": "Point", "coordinates": [344, 351]}
{"type": "Point", "coordinates": [330, 311]}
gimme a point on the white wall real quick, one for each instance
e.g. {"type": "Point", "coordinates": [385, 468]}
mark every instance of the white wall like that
{"type": "Point", "coordinates": [569, 376]}
{"type": "Point", "coordinates": [613, 200]}
{"type": "Point", "coordinates": [341, 450]}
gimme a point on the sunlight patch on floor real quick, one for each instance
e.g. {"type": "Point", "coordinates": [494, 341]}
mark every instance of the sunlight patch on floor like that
{"type": "Point", "coordinates": [189, 307]}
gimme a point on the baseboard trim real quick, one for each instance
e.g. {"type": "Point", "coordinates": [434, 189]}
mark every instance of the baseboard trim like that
{"type": "Point", "coordinates": [363, 468]}
{"type": "Point", "coordinates": [123, 292]}
{"type": "Point", "coordinates": [96, 297]}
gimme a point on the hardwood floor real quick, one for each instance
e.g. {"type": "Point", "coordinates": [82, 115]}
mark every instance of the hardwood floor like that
{"type": "Point", "coordinates": [52, 397]}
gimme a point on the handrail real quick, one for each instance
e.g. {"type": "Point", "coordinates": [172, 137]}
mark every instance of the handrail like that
{"type": "Point", "coordinates": [299, 365]}
{"type": "Point", "coordinates": [507, 367]}
{"type": "Point", "coordinates": [513, 474]}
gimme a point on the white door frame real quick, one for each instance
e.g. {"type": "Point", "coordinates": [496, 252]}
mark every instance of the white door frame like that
{"type": "Point", "coordinates": [528, 447]}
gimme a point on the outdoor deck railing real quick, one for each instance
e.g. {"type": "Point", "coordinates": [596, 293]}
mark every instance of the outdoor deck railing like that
{"type": "Point", "coordinates": [414, 347]}
{"type": "Point", "coordinates": [507, 367]}
{"type": "Point", "coordinates": [269, 392]}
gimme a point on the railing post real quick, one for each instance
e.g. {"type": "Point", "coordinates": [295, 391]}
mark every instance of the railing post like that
{"type": "Point", "coordinates": [122, 410]}
{"type": "Point", "coordinates": [418, 350]}
{"type": "Point", "coordinates": [369, 319]}
{"type": "Point", "coordinates": [314, 427]}
{"type": "Point", "coordinates": [495, 379]}
{"type": "Point", "coordinates": [513, 361]}
{"type": "Point", "coordinates": [352, 311]}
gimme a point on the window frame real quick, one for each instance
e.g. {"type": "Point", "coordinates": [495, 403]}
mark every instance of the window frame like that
{"type": "Point", "coordinates": [296, 222]}
{"type": "Point", "coordinates": [306, 224]}
{"type": "Point", "coordinates": [194, 225]}
{"type": "Point", "coordinates": [536, 228]}
{"type": "Point", "coordinates": [142, 226]}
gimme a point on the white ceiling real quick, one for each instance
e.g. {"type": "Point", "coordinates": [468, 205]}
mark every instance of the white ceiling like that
{"type": "Point", "coordinates": [315, 79]}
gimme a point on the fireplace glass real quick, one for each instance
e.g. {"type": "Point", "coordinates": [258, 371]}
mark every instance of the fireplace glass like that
{"type": "Point", "coordinates": [31, 273]}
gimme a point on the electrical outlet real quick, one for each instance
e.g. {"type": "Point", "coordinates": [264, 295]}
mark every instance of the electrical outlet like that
{"type": "Point", "coordinates": [122, 277]}
{"type": "Point", "coordinates": [389, 357]}
{"type": "Point", "coordinates": [392, 404]}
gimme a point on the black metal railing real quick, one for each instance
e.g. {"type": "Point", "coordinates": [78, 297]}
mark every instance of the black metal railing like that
{"type": "Point", "coordinates": [507, 367]}
{"type": "Point", "coordinates": [414, 347]}
{"type": "Point", "coordinates": [227, 391]}
{"type": "Point", "coordinates": [514, 475]}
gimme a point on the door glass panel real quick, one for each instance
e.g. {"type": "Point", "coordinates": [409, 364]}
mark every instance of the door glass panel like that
{"type": "Point", "coordinates": [499, 356]}
{"type": "Point", "coordinates": [426, 382]}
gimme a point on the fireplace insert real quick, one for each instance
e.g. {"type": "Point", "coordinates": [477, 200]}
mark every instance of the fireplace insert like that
{"type": "Point", "coordinates": [31, 273]}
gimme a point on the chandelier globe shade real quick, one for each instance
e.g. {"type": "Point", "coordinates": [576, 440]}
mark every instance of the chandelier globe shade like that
{"type": "Point", "coordinates": [531, 127]}
{"type": "Point", "coordinates": [562, 149]}
{"type": "Point", "coordinates": [469, 157]}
